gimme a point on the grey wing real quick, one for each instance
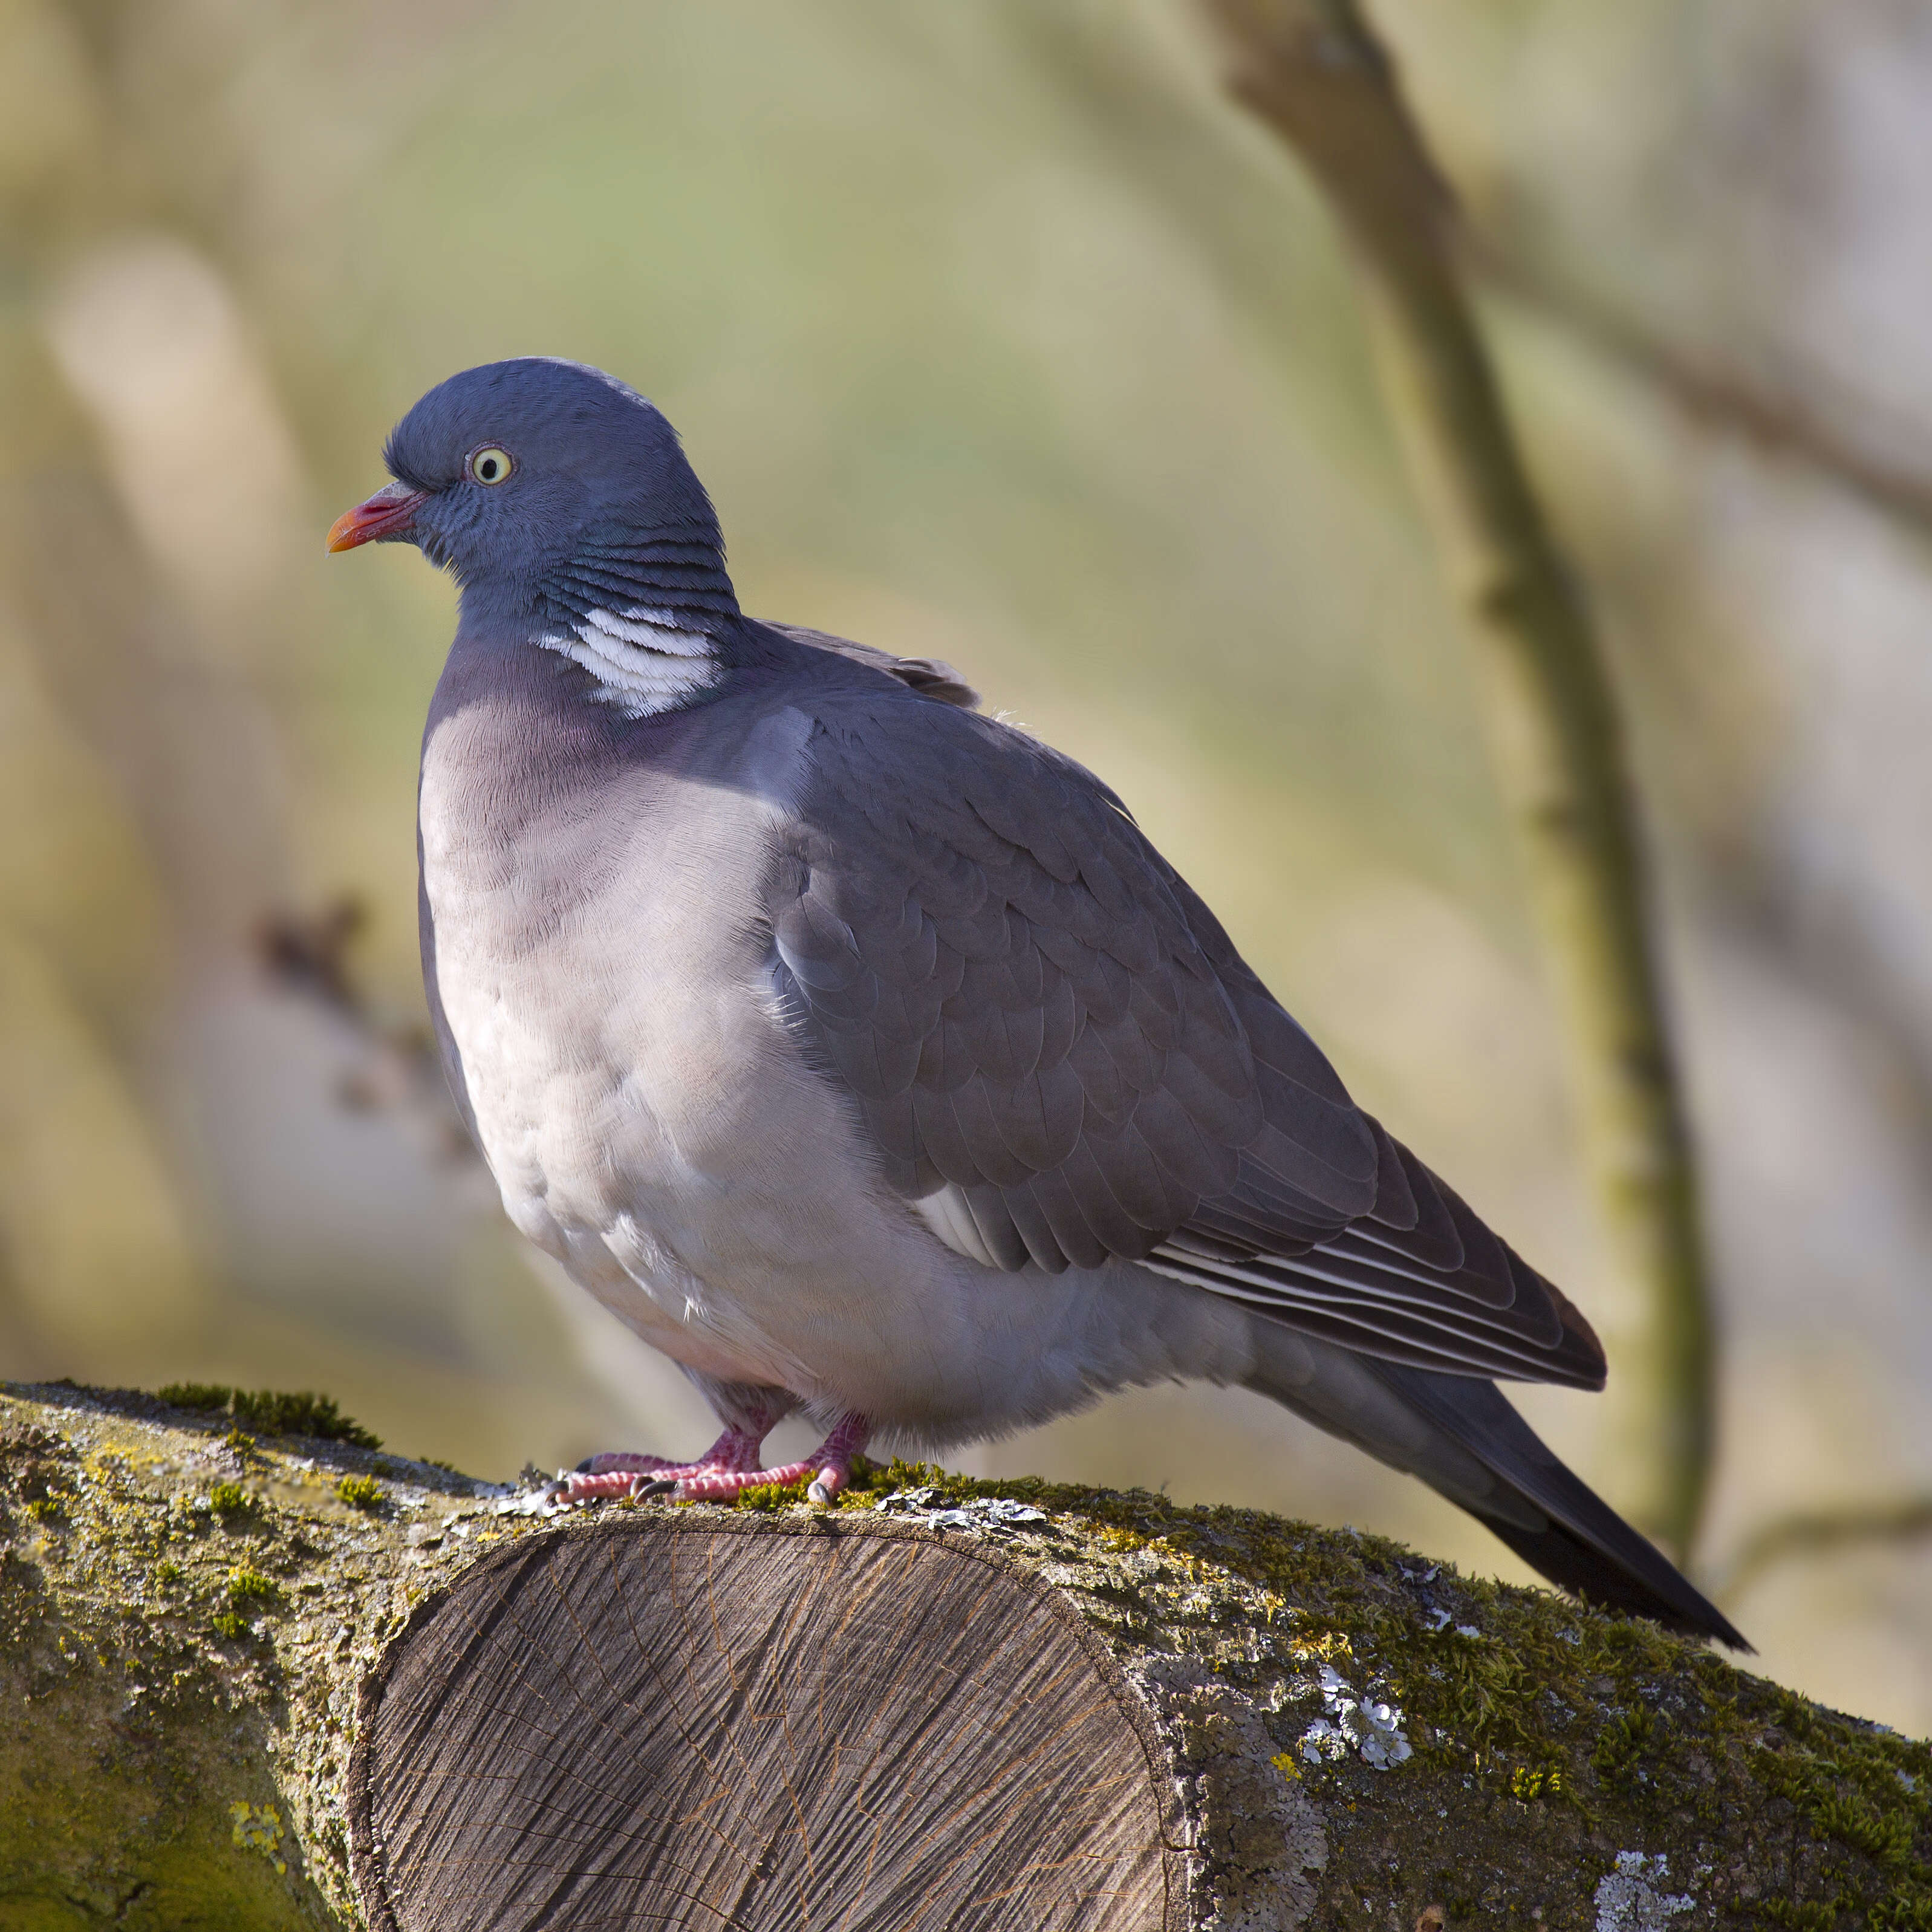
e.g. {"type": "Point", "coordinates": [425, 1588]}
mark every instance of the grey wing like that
{"type": "Point", "coordinates": [1062, 1059]}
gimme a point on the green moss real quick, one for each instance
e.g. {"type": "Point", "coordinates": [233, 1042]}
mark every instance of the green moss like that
{"type": "Point", "coordinates": [765, 1497]}
{"type": "Point", "coordinates": [273, 1412]}
{"type": "Point", "coordinates": [230, 1499]}
{"type": "Point", "coordinates": [362, 1492]}
{"type": "Point", "coordinates": [1886, 1838]}
{"type": "Point", "coordinates": [1904, 1911]}
{"type": "Point", "coordinates": [246, 1593]}
{"type": "Point", "coordinates": [1621, 1744]}
{"type": "Point", "coordinates": [153, 1682]}
{"type": "Point", "coordinates": [1528, 1782]}
{"type": "Point", "coordinates": [1848, 1788]}
{"type": "Point", "coordinates": [1817, 1916]}
{"type": "Point", "coordinates": [246, 1585]}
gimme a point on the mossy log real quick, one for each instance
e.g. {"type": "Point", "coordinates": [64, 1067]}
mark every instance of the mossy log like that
{"type": "Point", "coordinates": [291, 1682]}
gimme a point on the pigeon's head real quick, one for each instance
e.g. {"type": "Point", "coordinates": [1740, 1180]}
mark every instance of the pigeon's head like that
{"type": "Point", "coordinates": [539, 481]}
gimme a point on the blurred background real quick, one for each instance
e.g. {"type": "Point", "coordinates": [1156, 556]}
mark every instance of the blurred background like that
{"type": "Point", "coordinates": [998, 337]}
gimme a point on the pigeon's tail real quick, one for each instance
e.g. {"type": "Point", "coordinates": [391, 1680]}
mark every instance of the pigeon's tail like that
{"type": "Point", "coordinates": [1460, 1435]}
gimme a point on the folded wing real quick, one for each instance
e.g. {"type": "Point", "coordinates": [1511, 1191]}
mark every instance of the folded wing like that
{"type": "Point", "coordinates": [1062, 1059]}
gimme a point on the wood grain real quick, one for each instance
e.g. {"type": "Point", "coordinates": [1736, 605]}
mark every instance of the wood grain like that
{"type": "Point", "coordinates": [710, 1723]}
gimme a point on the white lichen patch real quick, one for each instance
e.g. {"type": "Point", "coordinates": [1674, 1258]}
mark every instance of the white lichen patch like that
{"type": "Point", "coordinates": [984, 1515]}
{"type": "Point", "coordinates": [1371, 1729]}
{"type": "Point", "coordinates": [540, 1500]}
{"type": "Point", "coordinates": [1631, 1898]}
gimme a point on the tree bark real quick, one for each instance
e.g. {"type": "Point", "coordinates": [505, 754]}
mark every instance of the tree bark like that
{"type": "Point", "coordinates": [299, 1683]}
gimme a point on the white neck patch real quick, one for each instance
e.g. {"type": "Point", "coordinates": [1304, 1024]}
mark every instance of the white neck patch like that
{"type": "Point", "coordinates": [643, 660]}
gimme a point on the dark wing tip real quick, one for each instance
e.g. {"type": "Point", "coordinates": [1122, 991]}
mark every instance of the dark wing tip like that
{"type": "Point", "coordinates": [1576, 1344]}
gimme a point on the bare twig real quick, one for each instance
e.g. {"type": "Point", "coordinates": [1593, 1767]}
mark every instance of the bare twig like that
{"type": "Point", "coordinates": [308, 954]}
{"type": "Point", "coordinates": [1313, 70]}
{"type": "Point", "coordinates": [1821, 1532]}
{"type": "Point", "coordinates": [1778, 424]}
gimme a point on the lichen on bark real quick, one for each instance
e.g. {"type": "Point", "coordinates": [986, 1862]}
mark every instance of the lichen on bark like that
{"type": "Point", "coordinates": [187, 1615]}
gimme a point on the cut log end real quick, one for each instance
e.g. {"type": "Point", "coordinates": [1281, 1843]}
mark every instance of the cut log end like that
{"type": "Point", "coordinates": [303, 1686]}
{"type": "Point", "coordinates": [666, 1722]}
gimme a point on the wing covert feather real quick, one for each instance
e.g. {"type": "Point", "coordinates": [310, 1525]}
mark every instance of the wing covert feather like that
{"type": "Point", "coordinates": [1033, 1011]}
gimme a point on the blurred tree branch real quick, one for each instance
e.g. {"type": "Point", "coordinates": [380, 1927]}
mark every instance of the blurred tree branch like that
{"type": "Point", "coordinates": [1780, 424]}
{"type": "Point", "coordinates": [1822, 1532]}
{"type": "Point", "coordinates": [1314, 71]}
{"type": "Point", "coordinates": [1830, 950]}
{"type": "Point", "coordinates": [308, 955]}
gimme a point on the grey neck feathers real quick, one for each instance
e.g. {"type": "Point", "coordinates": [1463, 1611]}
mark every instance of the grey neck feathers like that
{"type": "Point", "coordinates": [644, 614]}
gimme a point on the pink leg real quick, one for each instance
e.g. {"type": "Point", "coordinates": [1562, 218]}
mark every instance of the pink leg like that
{"type": "Point", "coordinates": [830, 1466]}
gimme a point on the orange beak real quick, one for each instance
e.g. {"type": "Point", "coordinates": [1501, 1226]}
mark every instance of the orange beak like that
{"type": "Point", "coordinates": [390, 513]}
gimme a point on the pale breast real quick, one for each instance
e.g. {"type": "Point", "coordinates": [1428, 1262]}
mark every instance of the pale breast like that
{"type": "Point", "coordinates": [600, 958]}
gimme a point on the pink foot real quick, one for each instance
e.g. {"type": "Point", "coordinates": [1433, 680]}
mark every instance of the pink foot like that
{"type": "Point", "coordinates": [730, 1466]}
{"type": "Point", "coordinates": [622, 1473]}
{"type": "Point", "coordinates": [830, 1466]}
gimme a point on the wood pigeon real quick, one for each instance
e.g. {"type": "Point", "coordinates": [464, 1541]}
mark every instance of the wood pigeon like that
{"type": "Point", "coordinates": [860, 1053]}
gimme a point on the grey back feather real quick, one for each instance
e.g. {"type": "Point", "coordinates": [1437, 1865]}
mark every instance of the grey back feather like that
{"type": "Point", "coordinates": [930, 677]}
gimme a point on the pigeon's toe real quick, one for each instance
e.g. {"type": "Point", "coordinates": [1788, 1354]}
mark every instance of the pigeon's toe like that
{"type": "Point", "coordinates": [622, 1460]}
{"type": "Point", "coordinates": [716, 1485]}
{"type": "Point", "coordinates": [732, 1460]}
{"type": "Point", "coordinates": [830, 1467]}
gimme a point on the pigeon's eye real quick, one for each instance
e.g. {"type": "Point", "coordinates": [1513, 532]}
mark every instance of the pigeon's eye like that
{"type": "Point", "coordinates": [489, 464]}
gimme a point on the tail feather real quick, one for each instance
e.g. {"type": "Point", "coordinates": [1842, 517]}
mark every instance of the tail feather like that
{"type": "Point", "coordinates": [1587, 1548]}
{"type": "Point", "coordinates": [1459, 1434]}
